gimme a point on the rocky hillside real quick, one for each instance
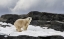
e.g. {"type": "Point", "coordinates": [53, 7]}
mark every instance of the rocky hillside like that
{"type": "Point", "coordinates": [42, 19]}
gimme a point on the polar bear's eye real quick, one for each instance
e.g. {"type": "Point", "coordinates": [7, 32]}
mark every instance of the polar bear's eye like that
{"type": "Point", "coordinates": [29, 18]}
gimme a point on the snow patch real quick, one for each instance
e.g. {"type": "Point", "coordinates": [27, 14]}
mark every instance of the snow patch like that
{"type": "Point", "coordinates": [31, 31]}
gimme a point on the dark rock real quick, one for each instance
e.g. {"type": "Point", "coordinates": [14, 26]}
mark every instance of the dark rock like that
{"type": "Point", "coordinates": [34, 14]}
{"type": "Point", "coordinates": [2, 37]}
{"type": "Point", "coordinates": [23, 16]}
{"type": "Point", "coordinates": [57, 26]}
{"type": "Point", "coordinates": [5, 26]}
{"type": "Point", "coordinates": [11, 18]}
{"type": "Point", "coordinates": [40, 22]}
{"type": "Point", "coordinates": [30, 37]}
{"type": "Point", "coordinates": [2, 20]}
{"type": "Point", "coordinates": [53, 37]}
{"type": "Point", "coordinates": [6, 16]}
{"type": "Point", "coordinates": [45, 16]}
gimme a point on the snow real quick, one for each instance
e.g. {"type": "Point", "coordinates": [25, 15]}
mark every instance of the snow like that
{"type": "Point", "coordinates": [59, 22]}
{"type": "Point", "coordinates": [31, 31]}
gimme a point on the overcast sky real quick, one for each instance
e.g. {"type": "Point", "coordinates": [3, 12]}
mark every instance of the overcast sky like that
{"type": "Point", "coordinates": [25, 6]}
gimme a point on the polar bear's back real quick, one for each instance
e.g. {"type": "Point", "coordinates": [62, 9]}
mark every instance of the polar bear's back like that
{"type": "Point", "coordinates": [20, 21]}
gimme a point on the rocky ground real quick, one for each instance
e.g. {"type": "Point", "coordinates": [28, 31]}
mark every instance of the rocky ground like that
{"type": "Point", "coordinates": [30, 37]}
{"type": "Point", "coordinates": [43, 19]}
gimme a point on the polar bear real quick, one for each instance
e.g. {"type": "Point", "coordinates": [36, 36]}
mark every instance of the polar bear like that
{"type": "Point", "coordinates": [22, 23]}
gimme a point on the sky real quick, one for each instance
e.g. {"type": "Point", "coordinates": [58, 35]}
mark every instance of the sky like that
{"type": "Point", "coordinates": [25, 6]}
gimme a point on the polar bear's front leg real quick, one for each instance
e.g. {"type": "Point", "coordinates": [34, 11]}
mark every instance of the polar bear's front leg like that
{"type": "Point", "coordinates": [25, 27]}
{"type": "Point", "coordinates": [18, 29]}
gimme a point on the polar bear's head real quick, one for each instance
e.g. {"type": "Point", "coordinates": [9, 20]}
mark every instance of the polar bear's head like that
{"type": "Point", "coordinates": [29, 18]}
